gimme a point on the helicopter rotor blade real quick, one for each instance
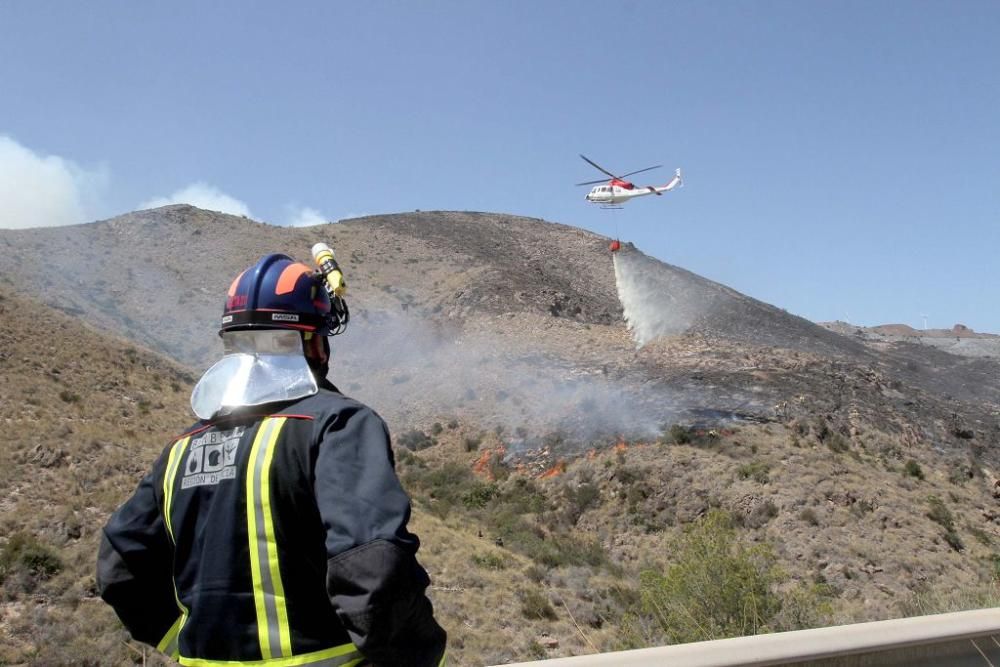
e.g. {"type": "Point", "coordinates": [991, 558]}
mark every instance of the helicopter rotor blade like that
{"type": "Point", "coordinates": [641, 170]}
{"type": "Point", "coordinates": [603, 180]}
{"type": "Point", "coordinates": [597, 166]}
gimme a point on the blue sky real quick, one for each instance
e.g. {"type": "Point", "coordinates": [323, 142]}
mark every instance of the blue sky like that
{"type": "Point", "coordinates": [841, 160]}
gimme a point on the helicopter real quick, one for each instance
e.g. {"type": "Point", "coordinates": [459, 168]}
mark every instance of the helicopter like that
{"type": "Point", "coordinates": [617, 191]}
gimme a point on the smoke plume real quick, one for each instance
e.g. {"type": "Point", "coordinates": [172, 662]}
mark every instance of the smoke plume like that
{"type": "Point", "coordinates": [203, 196]}
{"type": "Point", "coordinates": [412, 370]}
{"type": "Point", "coordinates": [45, 190]}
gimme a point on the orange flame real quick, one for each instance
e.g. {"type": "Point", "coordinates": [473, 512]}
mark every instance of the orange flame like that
{"type": "Point", "coordinates": [486, 459]}
{"type": "Point", "coordinates": [482, 464]}
{"type": "Point", "coordinates": [557, 469]}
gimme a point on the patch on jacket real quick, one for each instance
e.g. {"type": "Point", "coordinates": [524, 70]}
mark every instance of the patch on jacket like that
{"type": "Point", "coordinates": [212, 458]}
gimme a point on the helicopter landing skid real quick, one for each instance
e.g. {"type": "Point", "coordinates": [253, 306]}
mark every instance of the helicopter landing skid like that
{"type": "Point", "coordinates": [611, 207]}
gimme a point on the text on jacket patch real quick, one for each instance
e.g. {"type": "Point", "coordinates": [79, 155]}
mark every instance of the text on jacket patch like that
{"type": "Point", "coordinates": [212, 458]}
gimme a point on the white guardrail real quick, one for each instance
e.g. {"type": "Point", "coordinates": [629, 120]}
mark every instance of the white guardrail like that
{"type": "Point", "coordinates": [962, 638]}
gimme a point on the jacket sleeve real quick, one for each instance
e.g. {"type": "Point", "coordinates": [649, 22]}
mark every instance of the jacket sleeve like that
{"type": "Point", "coordinates": [374, 580]}
{"type": "Point", "coordinates": [135, 566]}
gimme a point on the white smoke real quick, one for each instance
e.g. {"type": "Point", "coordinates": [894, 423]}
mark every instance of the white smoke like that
{"type": "Point", "coordinates": [304, 216]}
{"type": "Point", "coordinates": [45, 190]}
{"type": "Point", "coordinates": [408, 369]}
{"type": "Point", "coordinates": [204, 196]}
{"type": "Point", "coordinates": [656, 300]}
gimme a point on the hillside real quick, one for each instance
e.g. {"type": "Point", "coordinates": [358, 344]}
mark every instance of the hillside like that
{"type": "Point", "coordinates": [551, 459]}
{"type": "Point", "coordinates": [456, 309]}
{"type": "Point", "coordinates": [84, 414]}
{"type": "Point", "coordinates": [959, 339]}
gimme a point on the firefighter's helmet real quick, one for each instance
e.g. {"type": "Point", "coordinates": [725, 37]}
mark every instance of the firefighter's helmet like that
{"type": "Point", "coordinates": [279, 293]}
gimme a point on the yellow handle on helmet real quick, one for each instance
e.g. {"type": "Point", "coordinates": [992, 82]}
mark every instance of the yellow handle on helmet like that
{"type": "Point", "coordinates": [332, 275]}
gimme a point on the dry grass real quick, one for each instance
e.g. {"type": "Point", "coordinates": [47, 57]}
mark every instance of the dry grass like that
{"type": "Point", "coordinates": [84, 416]}
{"type": "Point", "coordinates": [866, 549]}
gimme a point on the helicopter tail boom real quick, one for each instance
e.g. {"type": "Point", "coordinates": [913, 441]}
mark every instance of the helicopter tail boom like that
{"type": "Point", "coordinates": [674, 182]}
{"type": "Point", "coordinates": [659, 190]}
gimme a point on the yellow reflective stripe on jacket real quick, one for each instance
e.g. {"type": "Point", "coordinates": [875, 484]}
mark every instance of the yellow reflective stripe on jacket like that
{"type": "Point", "coordinates": [169, 476]}
{"type": "Point", "coordinates": [173, 462]}
{"type": "Point", "coordinates": [345, 655]}
{"type": "Point", "coordinates": [269, 593]}
{"type": "Point", "coordinates": [284, 633]}
{"type": "Point", "coordinates": [168, 645]}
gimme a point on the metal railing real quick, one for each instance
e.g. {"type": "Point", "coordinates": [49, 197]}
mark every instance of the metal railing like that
{"type": "Point", "coordinates": [960, 638]}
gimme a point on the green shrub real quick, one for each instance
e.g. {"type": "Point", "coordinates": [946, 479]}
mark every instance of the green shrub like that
{"type": "Point", "coordinates": [758, 516]}
{"type": "Point", "coordinates": [954, 541]}
{"type": "Point", "coordinates": [536, 650]}
{"type": "Point", "coordinates": [820, 428]}
{"type": "Point", "coordinates": [26, 553]}
{"type": "Point", "coordinates": [471, 443]}
{"type": "Point", "coordinates": [837, 443]}
{"type": "Point", "coordinates": [579, 499]}
{"type": "Point", "coordinates": [480, 495]}
{"type": "Point", "coordinates": [627, 476]}
{"type": "Point", "coordinates": [415, 440]}
{"type": "Point", "coordinates": [489, 561]}
{"type": "Point", "coordinates": [809, 516]}
{"type": "Point", "coordinates": [862, 507]}
{"type": "Point", "coordinates": [549, 549]}
{"type": "Point", "coordinates": [676, 435]}
{"type": "Point", "coordinates": [521, 496]}
{"type": "Point", "coordinates": [913, 469]}
{"type": "Point", "coordinates": [960, 474]}
{"type": "Point", "coordinates": [805, 606]}
{"type": "Point", "coordinates": [982, 536]}
{"type": "Point", "coordinates": [636, 496]}
{"type": "Point", "coordinates": [534, 605]}
{"type": "Point", "coordinates": [405, 458]}
{"type": "Point", "coordinates": [757, 471]}
{"type": "Point", "coordinates": [442, 488]}
{"type": "Point", "coordinates": [69, 397]}
{"type": "Point", "coordinates": [716, 586]}
{"type": "Point", "coordinates": [940, 514]}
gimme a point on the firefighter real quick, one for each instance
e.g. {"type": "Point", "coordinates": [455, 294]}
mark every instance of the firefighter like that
{"type": "Point", "coordinates": [274, 530]}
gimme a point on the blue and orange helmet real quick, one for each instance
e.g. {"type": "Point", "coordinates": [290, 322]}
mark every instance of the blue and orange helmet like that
{"type": "Point", "coordinates": [279, 293]}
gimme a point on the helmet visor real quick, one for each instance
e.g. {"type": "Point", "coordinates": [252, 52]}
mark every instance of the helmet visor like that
{"type": "Point", "coordinates": [258, 367]}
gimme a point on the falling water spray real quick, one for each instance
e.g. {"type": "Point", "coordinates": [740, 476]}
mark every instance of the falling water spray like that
{"type": "Point", "coordinates": [657, 299]}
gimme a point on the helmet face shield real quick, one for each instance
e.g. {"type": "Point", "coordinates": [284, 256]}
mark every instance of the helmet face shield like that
{"type": "Point", "coordinates": [258, 366]}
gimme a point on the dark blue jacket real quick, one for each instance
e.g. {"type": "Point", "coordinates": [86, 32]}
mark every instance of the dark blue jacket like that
{"type": "Point", "coordinates": [274, 534]}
